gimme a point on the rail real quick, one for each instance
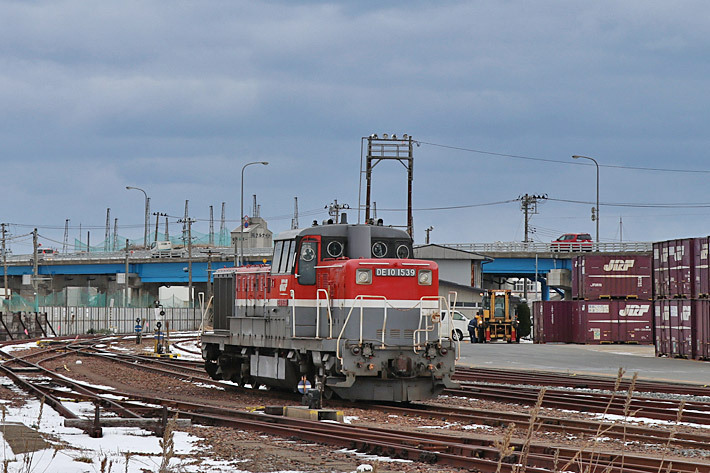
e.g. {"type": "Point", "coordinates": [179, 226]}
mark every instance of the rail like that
{"type": "Point", "coordinates": [538, 247]}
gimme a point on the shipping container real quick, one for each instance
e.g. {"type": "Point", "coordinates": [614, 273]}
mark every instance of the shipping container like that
{"type": "Point", "coordinates": [701, 270]}
{"type": "Point", "coordinates": [614, 321]}
{"type": "Point", "coordinates": [612, 277]}
{"type": "Point", "coordinates": [553, 321]}
{"type": "Point", "coordinates": [673, 263]}
{"type": "Point", "coordinates": [701, 331]}
{"type": "Point", "coordinates": [674, 324]}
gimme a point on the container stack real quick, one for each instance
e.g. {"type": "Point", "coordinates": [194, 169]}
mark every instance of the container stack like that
{"type": "Point", "coordinates": [612, 303]}
{"type": "Point", "coordinates": [681, 282]}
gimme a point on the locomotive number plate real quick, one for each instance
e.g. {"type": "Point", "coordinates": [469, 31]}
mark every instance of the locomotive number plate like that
{"type": "Point", "coordinates": [395, 272]}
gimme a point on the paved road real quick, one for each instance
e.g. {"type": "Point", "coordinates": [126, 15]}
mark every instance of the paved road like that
{"type": "Point", "coordinates": [603, 360]}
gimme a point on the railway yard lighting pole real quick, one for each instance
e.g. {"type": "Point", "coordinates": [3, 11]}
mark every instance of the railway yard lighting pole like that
{"type": "Point", "coordinates": [240, 257]}
{"type": "Point", "coordinates": [596, 213]}
{"type": "Point", "coordinates": [147, 210]}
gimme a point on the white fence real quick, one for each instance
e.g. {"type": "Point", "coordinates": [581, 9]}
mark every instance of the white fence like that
{"type": "Point", "coordinates": [81, 320]}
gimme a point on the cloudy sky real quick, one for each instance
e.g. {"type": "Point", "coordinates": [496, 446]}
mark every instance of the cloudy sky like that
{"type": "Point", "coordinates": [175, 97]}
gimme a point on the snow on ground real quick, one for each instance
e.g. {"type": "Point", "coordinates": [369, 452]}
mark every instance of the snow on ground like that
{"type": "Point", "coordinates": [130, 450]}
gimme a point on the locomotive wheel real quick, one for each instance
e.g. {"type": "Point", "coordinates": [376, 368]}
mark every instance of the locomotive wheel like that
{"type": "Point", "coordinates": [211, 368]}
{"type": "Point", "coordinates": [457, 334]}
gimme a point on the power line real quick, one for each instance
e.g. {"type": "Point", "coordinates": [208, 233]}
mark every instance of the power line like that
{"type": "Point", "coordinates": [558, 161]}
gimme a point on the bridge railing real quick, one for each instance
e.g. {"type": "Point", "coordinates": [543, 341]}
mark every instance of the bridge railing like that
{"type": "Point", "coordinates": [538, 247]}
{"type": "Point", "coordinates": [198, 252]}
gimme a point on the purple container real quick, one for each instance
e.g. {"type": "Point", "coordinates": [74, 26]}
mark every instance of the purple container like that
{"type": "Point", "coordinates": [701, 332]}
{"type": "Point", "coordinates": [614, 321]}
{"type": "Point", "coordinates": [673, 263]}
{"type": "Point", "coordinates": [615, 277]}
{"type": "Point", "coordinates": [553, 321]}
{"type": "Point", "coordinates": [635, 321]}
{"type": "Point", "coordinates": [674, 327]}
{"type": "Point", "coordinates": [701, 269]}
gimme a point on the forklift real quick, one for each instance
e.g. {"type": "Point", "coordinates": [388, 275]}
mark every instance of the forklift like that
{"type": "Point", "coordinates": [499, 316]}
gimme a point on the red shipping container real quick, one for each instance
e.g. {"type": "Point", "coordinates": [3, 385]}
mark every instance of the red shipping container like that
{"type": "Point", "coordinates": [635, 321]}
{"type": "Point", "coordinates": [701, 268]}
{"type": "Point", "coordinates": [553, 321]}
{"type": "Point", "coordinates": [617, 276]}
{"type": "Point", "coordinates": [662, 328]}
{"type": "Point", "coordinates": [701, 332]}
{"type": "Point", "coordinates": [614, 321]}
{"type": "Point", "coordinates": [673, 263]}
{"type": "Point", "coordinates": [676, 326]}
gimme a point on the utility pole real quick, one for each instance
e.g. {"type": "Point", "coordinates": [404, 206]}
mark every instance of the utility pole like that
{"type": "Point", "coordinates": [107, 235]}
{"type": "Point", "coordinates": [335, 208]}
{"type": "Point", "coordinates": [294, 220]}
{"type": "Point", "coordinates": [427, 234]}
{"type": "Point", "coordinates": [157, 217]}
{"type": "Point", "coordinates": [189, 221]}
{"type": "Point", "coordinates": [4, 261]}
{"type": "Point", "coordinates": [66, 236]}
{"type": "Point", "coordinates": [167, 235]}
{"type": "Point", "coordinates": [80, 239]}
{"type": "Point", "coordinates": [184, 223]}
{"type": "Point", "coordinates": [35, 267]}
{"type": "Point", "coordinates": [125, 292]}
{"type": "Point", "coordinates": [528, 204]}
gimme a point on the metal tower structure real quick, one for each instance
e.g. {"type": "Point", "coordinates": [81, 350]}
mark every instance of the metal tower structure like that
{"type": "Point", "coordinates": [294, 220]}
{"type": "Point", "coordinates": [115, 234]}
{"type": "Point", "coordinates": [222, 227]}
{"type": "Point", "coordinates": [389, 148]}
{"type": "Point", "coordinates": [107, 233]}
{"type": "Point", "coordinates": [211, 240]}
{"type": "Point", "coordinates": [66, 236]}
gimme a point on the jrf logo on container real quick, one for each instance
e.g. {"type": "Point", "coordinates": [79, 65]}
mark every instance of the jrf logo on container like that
{"type": "Point", "coordinates": [634, 310]}
{"type": "Point", "coordinates": [619, 265]}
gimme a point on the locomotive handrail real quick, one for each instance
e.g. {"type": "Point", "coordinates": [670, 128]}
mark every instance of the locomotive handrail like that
{"type": "Point", "coordinates": [293, 311]}
{"type": "Point", "coordinates": [427, 329]}
{"type": "Point", "coordinates": [451, 321]}
{"type": "Point", "coordinates": [361, 298]}
{"type": "Point", "coordinates": [330, 317]}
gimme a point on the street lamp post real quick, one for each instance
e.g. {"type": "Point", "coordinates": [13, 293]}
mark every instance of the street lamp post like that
{"type": "Point", "coordinates": [147, 211]}
{"type": "Point", "coordinates": [240, 257]}
{"type": "Point", "coordinates": [596, 215]}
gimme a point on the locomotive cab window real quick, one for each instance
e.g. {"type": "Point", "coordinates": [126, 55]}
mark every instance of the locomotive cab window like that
{"type": "Point", "coordinates": [276, 260]}
{"type": "Point", "coordinates": [307, 260]}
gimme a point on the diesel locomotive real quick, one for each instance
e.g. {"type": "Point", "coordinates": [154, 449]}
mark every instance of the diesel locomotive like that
{"type": "Point", "coordinates": [343, 308]}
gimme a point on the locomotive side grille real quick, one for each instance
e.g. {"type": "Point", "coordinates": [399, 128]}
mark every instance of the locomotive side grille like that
{"type": "Point", "coordinates": [223, 301]}
{"type": "Point", "coordinates": [394, 333]}
{"type": "Point", "coordinates": [408, 333]}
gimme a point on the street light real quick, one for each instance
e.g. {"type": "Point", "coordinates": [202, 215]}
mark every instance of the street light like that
{"type": "Point", "coordinates": [596, 215]}
{"type": "Point", "coordinates": [147, 211]}
{"type": "Point", "coordinates": [240, 257]}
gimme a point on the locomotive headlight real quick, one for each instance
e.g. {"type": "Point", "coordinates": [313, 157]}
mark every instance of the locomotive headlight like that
{"type": "Point", "coordinates": [363, 276]}
{"type": "Point", "coordinates": [425, 277]}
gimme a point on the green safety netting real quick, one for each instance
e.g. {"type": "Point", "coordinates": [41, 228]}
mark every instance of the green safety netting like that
{"type": "Point", "coordinates": [18, 303]}
{"type": "Point", "coordinates": [119, 243]}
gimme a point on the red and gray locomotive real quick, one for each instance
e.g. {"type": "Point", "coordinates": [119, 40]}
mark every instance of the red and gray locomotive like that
{"type": "Point", "coordinates": [344, 307]}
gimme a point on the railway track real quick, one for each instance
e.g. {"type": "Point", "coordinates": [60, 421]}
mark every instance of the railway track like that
{"type": "Point", "coordinates": [471, 452]}
{"type": "Point", "coordinates": [541, 378]}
